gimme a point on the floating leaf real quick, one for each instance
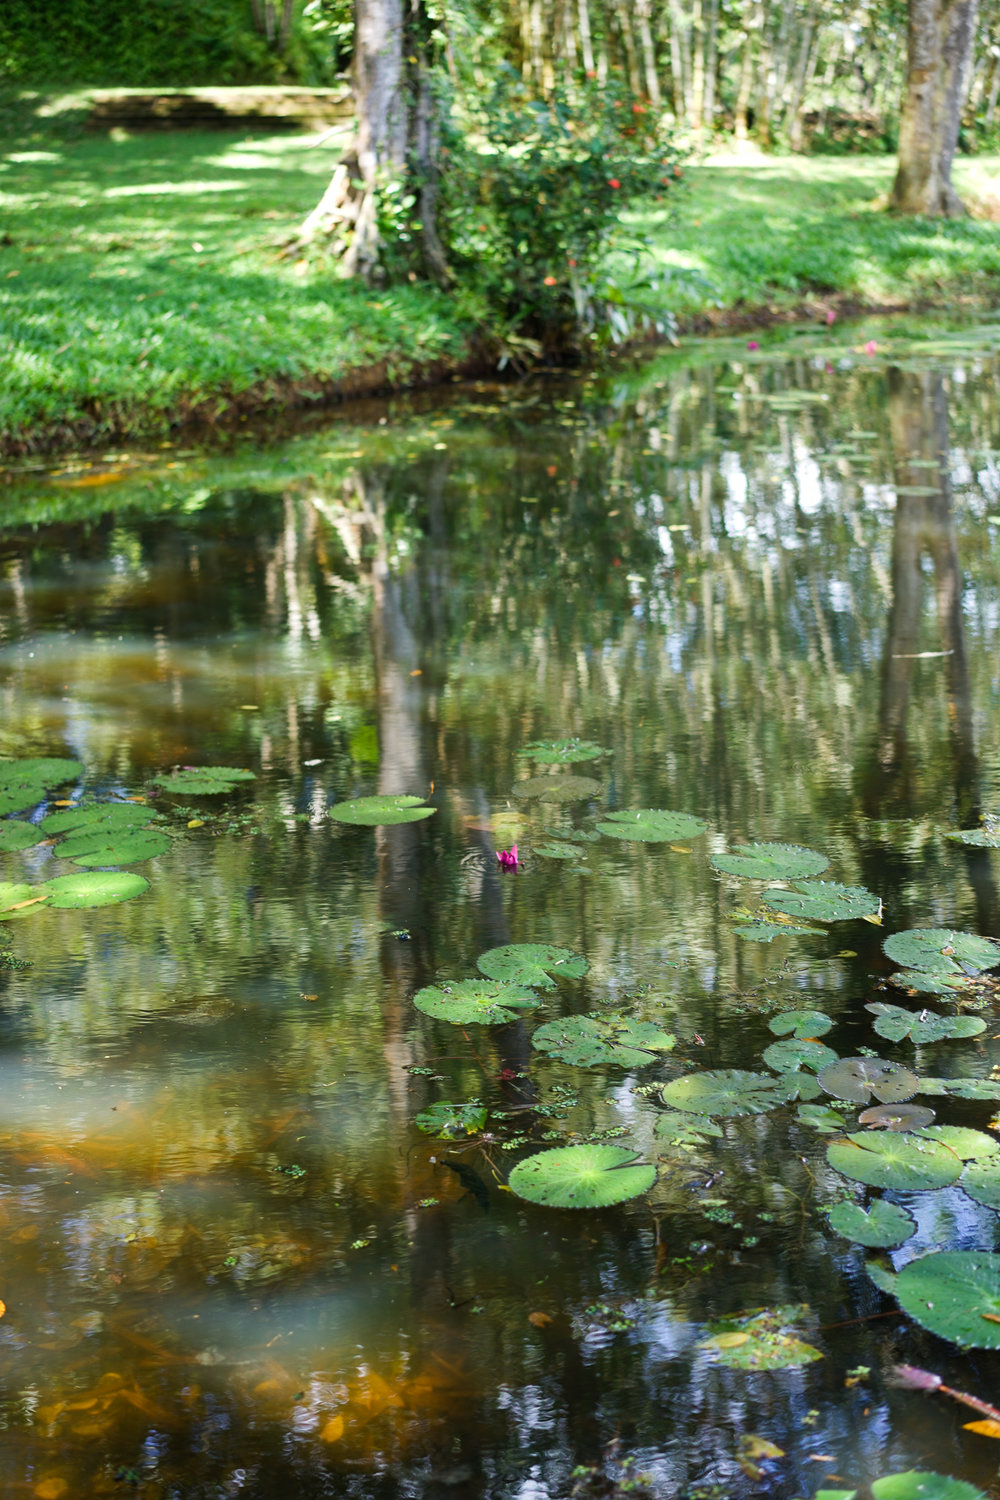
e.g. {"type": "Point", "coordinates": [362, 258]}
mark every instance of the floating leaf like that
{"type": "Point", "coordinates": [954, 1293]}
{"type": "Point", "coordinates": [556, 850]}
{"type": "Point", "coordinates": [94, 888]}
{"type": "Point", "coordinates": [651, 825]}
{"type": "Point", "coordinates": [684, 1129]}
{"type": "Point", "coordinates": [968, 1145]}
{"type": "Point", "coordinates": [897, 1116]}
{"type": "Point", "coordinates": [104, 816]}
{"type": "Point", "coordinates": [372, 812]}
{"type": "Point", "coordinates": [797, 1084]}
{"type": "Point", "coordinates": [754, 930]}
{"type": "Point", "coordinates": [770, 861]}
{"type": "Point", "coordinates": [488, 1001]}
{"type": "Point", "coordinates": [582, 1176]}
{"type": "Point", "coordinates": [921, 1027]}
{"type": "Point", "coordinates": [962, 1088]}
{"type": "Point", "coordinates": [940, 950]}
{"type": "Point", "coordinates": [204, 781]}
{"type": "Point", "coordinates": [804, 1023]}
{"type": "Point", "coordinates": [25, 782]}
{"type": "Point", "coordinates": [822, 1118]}
{"type": "Point", "coordinates": [562, 752]}
{"type": "Point", "coordinates": [797, 1052]}
{"type": "Point", "coordinates": [556, 788]}
{"type": "Point", "coordinates": [885, 1159]}
{"type": "Point", "coordinates": [977, 838]}
{"type": "Point", "coordinates": [532, 964]}
{"type": "Point", "coordinates": [452, 1121]}
{"type": "Point", "coordinates": [760, 1340]}
{"type": "Point", "coordinates": [18, 899]}
{"type": "Point", "coordinates": [15, 836]}
{"type": "Point", "coordinates": [981, 1180]}
{"type": "Point", "coordinates": [824, 901]}
{"type": "Point", "coordinates": [884, 1225]}
{"type": "Point", "coordinates": [586, 1041]}
{"type": "Point", "coordinates": [127, 847]}
{"type": "Point", "coordinates": [924, 982]}
{"type": "Point", "coordinates": [860, 1079]}
{"type": "Point", "coordinates": [724, 1091]}
{"type": "Point", "coordinates": [916, 1485]}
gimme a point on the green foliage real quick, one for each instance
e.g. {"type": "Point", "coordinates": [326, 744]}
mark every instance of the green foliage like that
{"type": "Point", "coordinates": [377, 812]}
{"type": "Point", "coordinates": [561, 752]}
{"type": "Point", "coordinates": [588, 1040]}
{"type": "Point", "coordinates": [651, 825]}
{"type": "Point", "coordinates": [798, 1052]}
{"type": "Point", "coordinates": [767, 861]}
{"type": "Point", "coordinates": [921, 1027]}
{"type": "Point", "coordinates": [823, 901]}
{"type": "Point", "coordinates": [859, 1079]}
{"type": "Point", "coordinates": [94, 888]}
{"type": "Point", "coordinates": [725, 1091]}
{"type": "Point", "coordinates": [452, 1121]}
{"type": "Point", "coordinates": [801, 1023]}
{"type": "Point", "coordinates": [204, 781]}
{"type": "Point", "coordinates": [914, 1485]}
{"type": "Point", "coordinates": [24, 782]}
{"type": "Point", "coordinates": [760, 1340]}
{"type": "Point", "coordinates": [955, 1293]}
{"type": "Point", "coordinates": [532, 964]}
{"type": "Point", "coordinates": [582, 1177]}
{"type": "Point", "coordinates": [883, 1226]}
{"type": "Point", "coordinates": [489, 1002]}
{"type": "Point", "coordinates": [886, 1159]}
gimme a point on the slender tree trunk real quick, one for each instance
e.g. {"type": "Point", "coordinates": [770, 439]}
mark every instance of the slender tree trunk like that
{"type": "Point", "coordinates": [642, 22]}
{"type": "Point", "coordinates": [586, 45]}
{"type": "Point", "coordinates": [678, 73]}
{"type": "Point", "coordinates": [991, 97]}
{"type": "Point", "coordinates": [624, 17]}
{"type": "Point", "coordinates": [696, 102]}
{"type": "Point", "coordinates": [939, 44]}
{"type": "Point", "coordinates": [711, 64]}
{"type": "Point", "coordinates": [745, 88]}
{"type": "Point", "coordinates": [800, 81]}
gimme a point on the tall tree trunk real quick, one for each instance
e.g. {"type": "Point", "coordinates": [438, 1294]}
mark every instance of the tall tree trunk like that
{"type": "Point", "coordinates": [745, 87]}
{"type": "Point", "coordinates": [711, 65]}
{"type": "Point", "coordinates": [642, 22]}
{"type": "Point", "coordinates": [586, 45]}
{"type": "Point", "coordinates": [939, 44]}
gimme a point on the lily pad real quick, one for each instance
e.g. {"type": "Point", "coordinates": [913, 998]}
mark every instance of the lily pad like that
{"type": "Point", "coordinates": [724, 1091]}
{"type": "Point", "coordinates": [96, 815]}
{"type": "Point", "coordinates": [586, 1041]}
{"type": "Point", "coordinates": [764, 861]}
{"type": "Point", "coordinates": [755, 930]}
{"type": "Point", "coordinates": [536, 965]}
{"type": "Point", "coordinates": [15, 836]}
{"type": "Point", "coordinates": [968, 1145]}
{"type": "Point", "coordinates": [797, 1052]}
{"type": "Point", "coordinates": [797, 1084]}
{"type": "Point", "coordinates": [554, 849]}
{"type": "Point", "coordinates": [760, 1340]}
{"type": "Point", "coordinates": [954, 1293]}
{"type": "Point", "coordinates": [376, 812]}
{"type": "Point", "coordinates": [562, 752]}
{"type": "Point", "coordinates": [823, 901]}
{"type": "Point", "coordinates": [897, 1116]}
{"type": "Point", "coordinates": [821, 1118]}
{"type": "Point", "coordinates": [582, 1176]}
{"type": "Point", "coordinates": [924, 982]}
{"type": "Point", "coordinates": [962, 1088]}
{"type": "Point", "coordinates": [884, 1226]}
{"type": "Point", "coordinates": [977, 838]}
{"type": "Point", "coordinates": [94, 888]}
{"type": "Point", "coordinates": [919, 1485]}
{"type": "Point", "coordinates": [684, 1129]}
{"type": "Point", "coordinates": [861, 1079]}
{"type": "Point", "coordinates": [921, 1027]}
{"type": "Point", "coordinates": [19, 899]}
{"type": "Point", "coordinates": [452, 1121]}
{"type": "Point", "coordinates": [93, 848]}
{"type": "Point", "coordinates": [25, 782]}
{"type": "Point", "coordinates": [487, 1001]}
{"type": "Point", "coordinates": [556, 788]}
{"type": "Point", "coordinates": [886, 1159]}
{"type": "Point", "coordinates": [803, 1023]}
{"type": "Point", "coordinates": [204, 781]}
{"type": "Point", "coordinates": [651, 825]}
{"type": "Point", "coordinates": [940, 950]}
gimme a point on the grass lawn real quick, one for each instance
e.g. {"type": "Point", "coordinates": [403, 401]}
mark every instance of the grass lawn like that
{"type": "Point", "coordinates": [140, 277]}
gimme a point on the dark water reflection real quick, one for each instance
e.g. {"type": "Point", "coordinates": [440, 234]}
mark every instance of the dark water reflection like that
{"type": "Point", "coordinates": [769, 586]}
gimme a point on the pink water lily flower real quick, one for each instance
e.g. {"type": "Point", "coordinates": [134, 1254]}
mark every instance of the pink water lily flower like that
{"type": "Point", "coordinates": [871, 347]}
{"type": "Point", "coordinates": [831, 316]}
{"type": "Point", "coordinates": [753, 344]}
{"type": "Point", "coordinates": [508, 858]}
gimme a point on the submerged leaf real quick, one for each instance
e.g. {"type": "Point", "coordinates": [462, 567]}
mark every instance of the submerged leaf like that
{"type": "Point", "coordinates": [725, 1091]}
{"type": "Point", "coordinates": [954, 1293]}
{"type": "Point", "coordinates": [586, 1041]}
{"type": "Point", "coordinates": [860, 1079]}
{"type": "Point", "coordinates": [582, 1176]}
{"type": "Point", "coordinates": [556, 788]}
{"type": "Point", "coordinates": [488, 1001]}
{"type": "Point", "coordinates": [884, 1226]}
{"type": "Point", "coordinates": [651, 825]}
{"type": "Point", "coordinates": [760, 1340]}
{"type": "Point", "coordinates": [537, 965]}
{"type": "Point", "coordinates": [764, 861]}
{"type": "Point", "coordinates": [886, 1159]}
{"type": "Point", "coordinates": [824, 901]}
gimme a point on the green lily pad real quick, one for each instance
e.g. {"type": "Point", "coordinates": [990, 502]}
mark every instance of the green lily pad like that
{"type": "Point", "coordinates": [556, 850]}
{"type": "Point", "coordinates": [683, 1129]}
{"type": "Point", "coordinates": [15, 836]}
{"type": "Point", "coordinates": [797, 1052]}
{"type": "Point", "coordinates": [921, 1027]}
{"type": "Point", "coordinates": [770, 861]}
{"type": "Point", "coordinates": [94, 888]}
{"type": "Point", "coordinates": [376, 812]}
{"type": "Point", "coordinates": [925, 982]}
{"type": "Point", "coordinates": [797, 1084]}
{"type": "Point", "coordinates": [651, 825]}
{"type": "Point", "coordinates": [897, 1116]}
{"type": "Point", "coordinates": [586, 1041]}
{"type": "Point", "coordinates": [860, 1079]}
{"type": "Point", "coordinates": [821, 1118]}
{"type": "Point", "coordinates": [536, 965]}
{"type": "Point", "coordinates": [919, 1485]}
{"type": "Point", "coordinates": [940, 950]}
{"type": "Point", "coordinates": [487, 1001]}
{"type": "Point", "coordinates": [885, 1159]}
{"type": "Point", "coordinates": [802, 1023]}
{"type": "Point", "coordinates": [93, 848]}
{"type": "Point", "coordinates": [968, 1145]}
{"type": "Point", "coordinates": [884, 1226]}
{"type": "Point", "coordinates": [977, 838]}
{"type": "Point", "coordinates": [954, 1293]}
{"type": "Point", "coordinates": [582, 1176]}
{"type": "Point", "coordinates": [823, 901]}
{"type": "Point", "coordinates": [25, 782]}
{"type": "Point", "coordinates": [451, 1122]}
{"type": "Point", "coordinates": [13, 898]}
{"type": "Point", "coordinates": [96, 815]}
{"type": "Point", "coordinates": [204, 781]}
{"type": "Point", "coordinates": [724, 1091]}
{"type": "Point", "coordinates": [962, 1088]}
{"type": "Point", "coordinates": [760, 1340]}
{"type": "Point", "coordinates": [755, 930]}
{"type": "Point", "coordinates": [556, 788]}
{"type": "Point", "coordinates": [562, 752]}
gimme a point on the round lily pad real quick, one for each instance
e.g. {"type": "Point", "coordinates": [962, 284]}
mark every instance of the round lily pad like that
{"type": "Point", "coordinates": [921, 1027]}
{"type": "Point", "coordinates": [883, 1226]}
{"type": "Point", "coordinates": [96, 815]}
{"type": "Point", "coordinates": [823, 901]}
{"type": "Point", "coordinates": [555, 849]}
{"type": "Point", "coordinates": [487, 1001]}
{"type": "Point", "coordinates": [94, 888]}
{"type": "Point", "coordinates": [25, 782]}
{"type": "Point", "coordinates": [941, 950]}
{"type": "Point", "coordinates": [561, 752]}
{"type": "Point", "coordinates": [92, 848]}
{"type": "Point", "coordinates": [981, 1180]}
{"type": "Point", "coordinates": [763, 861]}
{"type": "Point", "coordinates": [204, 781]}
{"type": "Point", "coordinates": [373, 812]}
{"type": "Point", "coordinates": [557, 788]}
{"type": "Point", "coordinates": [917, 1485]}
{"type": "Point", "coordinates": [968, 1145]}
{"type": "Point", "coordinates": [15, 836]}
{"type": "Point", "coordinates": [651, 825]}
{"type": "Point", "coordinates": [897, 1116]}
{"type": "Point", "coordinates": [797, 1052]}
{"type": "Point", "coordinates": [18, 899]}
{"type": "Point", "coordinates": [586, 1041]}
{"type": "Point", "coordinates": [754, 930]}
{"type": "Point", "coordinates": [724, 1091]}
{"type": "Point", "coordinates": [582, 1176]}
{"type": "Point", "coordinates": [977, 838]}
{"type": "Point", "coordinates": [536, 965]}
{"type": "Point", "coordinates": [885, 1159]}
{"type": "Point", "coordinates": [804, 1023]}
{"type": "Point", "coordinates": [954, 1293]}
{"type": "Point", "coordinates": [797, 1084]}
{"type": "Point", "coordinates": [685, 1129]}
{"type": "Point", "coordinates": [962, 1088]}
{"type": "Point", "coordinates": [860, 1079]}
{"type": "Point", "coordinates": [452, 1121]}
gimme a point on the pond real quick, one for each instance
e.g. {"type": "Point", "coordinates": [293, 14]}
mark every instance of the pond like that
{"type": "Point", "coordinates": [256, 1132]}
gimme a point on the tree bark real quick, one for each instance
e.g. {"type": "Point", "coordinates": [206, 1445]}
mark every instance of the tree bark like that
{"type": "Point", "coordinates": [939, 45]}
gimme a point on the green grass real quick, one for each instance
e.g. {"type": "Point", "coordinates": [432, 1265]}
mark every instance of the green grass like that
{"type": "Point", "coordinates": [141, 279]}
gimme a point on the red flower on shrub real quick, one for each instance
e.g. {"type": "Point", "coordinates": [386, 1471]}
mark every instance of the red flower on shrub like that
{"type": "Point", "coordinates": [613, 182]}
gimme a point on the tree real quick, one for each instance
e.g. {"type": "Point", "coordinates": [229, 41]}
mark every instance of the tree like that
{"type": "Point", "coordinates": [939, 45]}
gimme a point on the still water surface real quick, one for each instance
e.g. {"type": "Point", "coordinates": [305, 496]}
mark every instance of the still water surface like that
{"type": "Point", "coordinates": [769, 586]}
